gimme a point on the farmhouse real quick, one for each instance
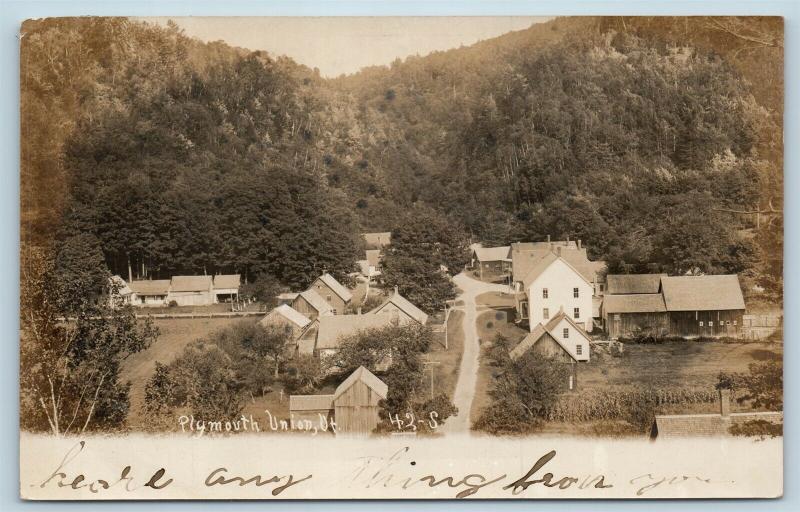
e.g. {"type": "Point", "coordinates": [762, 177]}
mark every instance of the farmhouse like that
{"type": "Point", "coordinates": [660, 305]}
{"type": "Point", "coordinates": [150, 292]}
{"type": "Point", "coordinates": [492, 262]}
{"type": "Point", "coordinates": [561, 339]}
{"type": "Point", "coordinates": [334, 293]}
{"type": "Point", "coordinates": [311, 304]}
{"type": "Point", "coordinates": [353, 406]}
{"type": "Point", "coordinates": [191, 290]}
{"type": "Point", "coordinates": [708, 425]}
{"type": "Point", "coordinates": [324, 335]}
{"type": "Point", "coordinates": [400, 309]}
{"type": "Point", "coordinates": [226, 287]}
{"type": "Point", "coordinates": [554, 285]}
{"type": "Point", "coordinates": [285, 316]}
{"type": "Point", "coordinates": [377, 240]}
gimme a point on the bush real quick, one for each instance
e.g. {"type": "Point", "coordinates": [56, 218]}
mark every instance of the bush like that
{"type": "Point", "coordinates": [757, 428]}
{"type": "Point", "coordinates": [173, 304]}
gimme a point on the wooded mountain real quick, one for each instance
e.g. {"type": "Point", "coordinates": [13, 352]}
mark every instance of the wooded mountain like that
{"type": "Point", "coordinates": [640, 136]}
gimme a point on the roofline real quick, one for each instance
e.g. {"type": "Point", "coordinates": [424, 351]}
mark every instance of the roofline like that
{"type": "Point", "coordinates": [548, 266]}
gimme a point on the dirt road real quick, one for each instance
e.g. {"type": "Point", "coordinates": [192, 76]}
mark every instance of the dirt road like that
{"type": "Point", "coordinates": [468, 371]}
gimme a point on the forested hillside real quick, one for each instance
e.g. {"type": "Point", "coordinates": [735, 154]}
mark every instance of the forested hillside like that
{"type": "Point", "coordinates": [641, 137]}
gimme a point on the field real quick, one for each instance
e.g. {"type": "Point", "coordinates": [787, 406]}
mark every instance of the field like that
{"type": "Point", "coordinates": [175, 333]}
{"type": "Point", "coordinates": [688, 364]}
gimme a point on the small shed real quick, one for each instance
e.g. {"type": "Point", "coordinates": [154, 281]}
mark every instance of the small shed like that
{"type": "Point", "coordinates": [356, 402]}
{"type": "Point", "coordinates": [226, 287]}
{"type": "Point", "coordinates": [318, 409]}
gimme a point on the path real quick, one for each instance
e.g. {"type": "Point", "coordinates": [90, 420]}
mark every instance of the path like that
{"type": "Point", "coordinates": [468, 371]}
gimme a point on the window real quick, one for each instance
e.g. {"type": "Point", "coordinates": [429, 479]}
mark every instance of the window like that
{"type": "Point", "coordinates": [544, 293]}
{"type": "Point", "coordinates": [701, 323]}
{"type": "Point", "coordinates": [523, 309]}
{"type": "Point", "coordinates": [579, 349]}
{"type": "Point", "coordinates": [618, 317]}
{"type": "Point", "coordinates": [734, 322]}
{"type": "Point", "coordinates": [728, 322]}
{"type": "Point", "coordinates": [329, 298]}
{"type": "Point", "coordinates": [576, 292]}
{"type": "Point", "coordinates": [546, 313]}
{"type": "Point", "coordinates": [566, 332]}
{"type": "Point", "coordinates": [333, 311]}
{"type": "Point", "coordinates": [576, 313]}
{"type": "Point", "coordinates": [710, 323]}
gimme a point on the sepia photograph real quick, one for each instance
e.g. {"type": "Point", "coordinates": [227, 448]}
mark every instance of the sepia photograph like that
{"type": "Point", "coordinates": [401, 257]}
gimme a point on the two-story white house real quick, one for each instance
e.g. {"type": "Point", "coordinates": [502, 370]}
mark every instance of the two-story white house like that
{"type": "Point", "coordinates": [553, 285]}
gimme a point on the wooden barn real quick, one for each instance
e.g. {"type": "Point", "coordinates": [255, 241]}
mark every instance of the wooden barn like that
{"type": "Point", "coordinates": [226, 287]}
{"type": "Point", "coordinates": [334, 293]}
{"type": "Point", "coordinates": [660, 305]}
{"type": "Point", "coordinates": [355, 402]}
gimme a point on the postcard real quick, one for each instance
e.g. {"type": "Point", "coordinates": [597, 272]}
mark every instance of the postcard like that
{"type": "Point", "coordinates": [401, 258]}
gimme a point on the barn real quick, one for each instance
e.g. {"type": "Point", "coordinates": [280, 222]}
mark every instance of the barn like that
{"type": "Point", "coordinates": [628, 316]}
{"type": "Point", "coordinates": [226, 287]}
{"type": "Point", "coordinates": [356, 401]}
{"type": "Point", "coordinates": [492, 262]}
{"type": "Point", "coordinates": [191, 290]}
{"type": "Point", "coordinates": [400, 309]}
{"type": "Point", "coordinates": [317, 409]}
{"type": "Point", "coordinates": [334, 293]}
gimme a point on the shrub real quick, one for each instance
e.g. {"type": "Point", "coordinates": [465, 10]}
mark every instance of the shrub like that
{"type": "Point", "coordinates": [173, 304]}
{"type": "Point", "coordinates": [757, 428]}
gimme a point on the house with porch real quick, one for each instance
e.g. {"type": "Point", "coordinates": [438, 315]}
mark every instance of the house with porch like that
{"type": "Point", "coordinates": [491, 262]}
{"type": "Point", "coordinates": [152, 293]}
{"type": "Point", "coordinates": [226, 287]}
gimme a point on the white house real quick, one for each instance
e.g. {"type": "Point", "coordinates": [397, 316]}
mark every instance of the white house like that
{"type": "Point", "coordinates": [560, 338]}
{"type": "Point", "coordinates": [554, 285]}
{"type": "Point", "coordinates": [150, 292]}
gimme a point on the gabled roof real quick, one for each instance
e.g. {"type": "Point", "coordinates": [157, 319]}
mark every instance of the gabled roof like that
{"type": "Point", "coordinates": [492, 253]}
{"type": "Point", "coordinates": [332, 329]}
{"type": "Point", "coordinates": [310, 402]}
{"type": "Point", "coordinates": [227, 281]}
{"type": "Point", "coordinates": [633, 283]}
{"type": "Point", "coordinates": [578, 259]}
{"type": "Point", "coordinates": [547, 330]}
{"type": "Point", "coordinates": [543, 264]}
{"type": "Point", "coordinates": [405, 306]}
{"type": "Point", "coordinates": [373, 256]}
{"type": "Point", "coordinates": [122, 287]}
{"type": "Point", "coordinates": [148, 287]}
{"type": "Point", "coordinates": [316, 301]}
{"type": "Point", "coordinates": [287, 312]}
{"type": "Point", "coordinates": [365, 376]}
{"type": "Point", "coordinates": [522, 261]}
{"type": "Point", "coordinates": [336, 287]}
{"type": "Point", "coordinates": [702, 293]}
{"type": "Point", "coordinates": [634, 303]}
{"type": "Point", "coordinates": [191, 283]}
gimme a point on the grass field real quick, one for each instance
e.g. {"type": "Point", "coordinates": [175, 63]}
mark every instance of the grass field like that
{"type": "Point", "coordinates": [690, 364]}
{"type": "Point", "coordinates": [174, 335]}
{"type": "Point", "coordinates": [445, 374]}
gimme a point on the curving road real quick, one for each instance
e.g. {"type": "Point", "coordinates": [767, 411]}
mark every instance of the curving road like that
{"type": "Point", "coordinates": [468, 371]}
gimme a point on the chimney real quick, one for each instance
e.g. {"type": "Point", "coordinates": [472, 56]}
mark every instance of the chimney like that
{"type": "Point", "coordinates": [724, 402]}
{"type": "Point", "coordinates": [579, 244]}
{"type": "Point", "coordinates": [395, 291]}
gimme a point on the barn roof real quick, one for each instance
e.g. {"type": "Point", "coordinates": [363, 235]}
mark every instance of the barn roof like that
{"type": "Point", "coordinates": [365, 376]}
{"type": "Point", "coordinates": [702, 293]}
{"type": "Point", "coordinates": [148, 287]}
{"type": "Point", "coordinates": [405, 306]}
{"type": "Point", "coordinates": [336, 286]}
{"type": "Point", "coordinates": [316, 301]}
{"type": "Point", "coordinates": [634, 303]}
{"type": "Point", "coordinates": [633, 283]}
{"type": "Point", "coordinates": [227, 281]}
{"type": "Point", "coordinates": [708, 425]}
{"type": "Point", "coordinates": [484, 254]}
{"type": "Point", "coordinates": [287, 312]}
{"type": "Point", "coordinates": [310, 402]}
{"type": "Point", "coordinates": [373, 256]}
{"type": "Point", "coordinates": [191, 283]}
{"type": "Point", "coordinates": [332, 328]}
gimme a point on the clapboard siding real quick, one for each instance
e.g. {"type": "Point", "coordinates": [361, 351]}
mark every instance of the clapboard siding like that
{"type": "Point", "coordinates": [357, 409]}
